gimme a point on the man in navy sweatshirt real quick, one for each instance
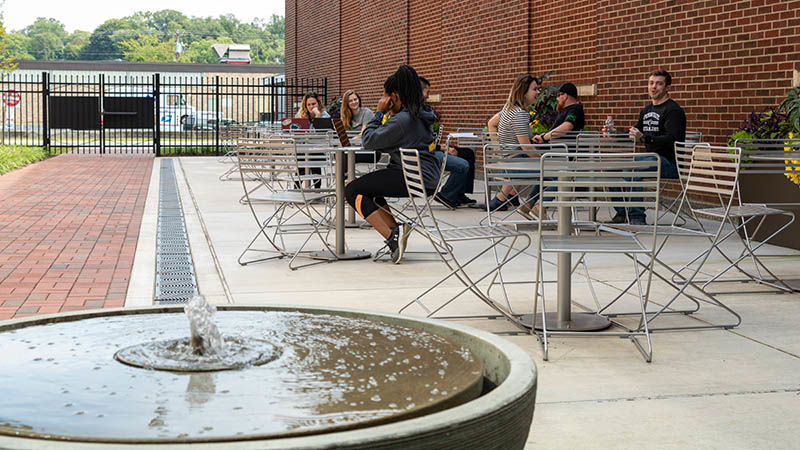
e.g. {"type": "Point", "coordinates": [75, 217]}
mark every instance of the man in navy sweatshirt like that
{"type": "Point", "coordinates": [661, 123]}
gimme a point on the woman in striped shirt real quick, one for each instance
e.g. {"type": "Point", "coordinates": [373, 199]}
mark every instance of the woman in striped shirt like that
{"type": "Point", "coordinates": [512, 126]}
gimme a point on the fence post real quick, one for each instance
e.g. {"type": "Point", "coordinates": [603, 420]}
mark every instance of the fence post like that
{"type": "Point", "coordinates": [45, 119]}
{"type": "Point", "coordinates": [157, 104]}
{"type": "Point", "coordinates": [272, 99]}
{"type": "Point", "coordinates": [102, 114]}
{"type": "Point", "coordinates": [219, 119]}
{"type": "Point", "coordinates": [325, 90]}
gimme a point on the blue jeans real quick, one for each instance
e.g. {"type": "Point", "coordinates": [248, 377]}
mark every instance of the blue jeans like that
{"type": "Point", "coordinates": [458, 181]}
{"type": "Point", "coordinates": [668, 171]}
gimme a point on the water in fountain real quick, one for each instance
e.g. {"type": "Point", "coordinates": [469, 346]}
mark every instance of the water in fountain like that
{"type": "Point", "coordinates": [326, 373]}
{"type": "Point", "coordinates": [205, 349]}
{"type": "Point", "coordinates": [205, 336]}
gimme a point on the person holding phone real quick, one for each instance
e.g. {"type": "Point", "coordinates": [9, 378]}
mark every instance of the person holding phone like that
{"type": "Point", "coordinates": [410, 126]}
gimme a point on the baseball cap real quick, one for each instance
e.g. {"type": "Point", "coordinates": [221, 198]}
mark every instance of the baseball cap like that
{"type": "Point", "coordinates": [569, 89]}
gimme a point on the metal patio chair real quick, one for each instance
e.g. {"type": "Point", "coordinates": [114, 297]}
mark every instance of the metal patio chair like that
{"type": "Point", "coordinates": [305, 142]}
{"type": "Point", "coordinates": [715, 172]}
{"type": "Point", "coordinates": [775, 157]}
{"type": "Point", "coordinates": [568, 172]}
{"type": "Point", "coordinates": [709, 162]}
{"type": "Point", "coordinates": [513, 165]}
{"type": "Point", "coordinates": [278, 158]}
{"type": "Point", "coordinates": [683, 161]}
{"type": "Point", "coordinates": [444, 239]}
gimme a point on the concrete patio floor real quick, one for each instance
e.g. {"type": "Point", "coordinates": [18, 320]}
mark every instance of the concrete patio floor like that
{"type": "Point", "coordinates": [738, 388]}
{"type": "Point", "coordinates": [734, 389]}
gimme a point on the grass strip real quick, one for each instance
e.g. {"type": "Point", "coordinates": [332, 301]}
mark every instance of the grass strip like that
{"type": "Point", "coordinates": [13, 157]}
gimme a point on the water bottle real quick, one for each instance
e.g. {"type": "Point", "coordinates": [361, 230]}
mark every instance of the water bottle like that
{"type": "Point", "coordinates": [609, 127]}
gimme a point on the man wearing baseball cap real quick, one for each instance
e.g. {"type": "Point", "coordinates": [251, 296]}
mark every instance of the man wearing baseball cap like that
{"type": "Point", "coordinates": [570, 114]}
{"type": "Point", "coordinates": [569, 118]}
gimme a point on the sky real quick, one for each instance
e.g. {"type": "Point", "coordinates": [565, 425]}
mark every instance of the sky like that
{"type": "Point", "coordinates": [86, 15]}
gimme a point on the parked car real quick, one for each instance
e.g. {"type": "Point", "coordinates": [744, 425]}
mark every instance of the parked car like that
{"type": "Point", "coordinates": [225, 122]}
{"type": "Point", "coordinates": [206, 121]}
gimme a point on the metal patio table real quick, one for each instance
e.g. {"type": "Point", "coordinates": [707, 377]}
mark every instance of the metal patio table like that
{"type": "Point", "coordinates": [341, 252]}
{"type": "Point", "coordinates": [564, 319]}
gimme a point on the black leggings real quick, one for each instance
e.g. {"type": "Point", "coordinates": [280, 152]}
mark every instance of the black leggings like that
{"type": "Point", "coordinates": [366, 194]}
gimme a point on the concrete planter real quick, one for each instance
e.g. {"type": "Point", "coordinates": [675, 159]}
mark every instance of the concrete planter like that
{"type": "Point", "coordinates": [772, 189]}
{"type": "Point", "coordinates": [499, 419]}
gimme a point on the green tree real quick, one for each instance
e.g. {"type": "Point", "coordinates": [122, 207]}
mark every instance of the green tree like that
{"type": "Point", "coordinates": [146, 48]}
{"type": "Point", "coordinates": [46, 46]}
{"type": "Point", "coordinates": [166, 22]}
{"type": "Point", "coordinates": [150, 34]}
{"type": "Point", "coordinates": [74, 44]}
{"type": "Point", "coordinates": [200, 51]}
{"type": "Point", "coordinates": [104, 41]}
{"type": "Point", "coordinates": [45, 38]}
{"type": "Point", "coordinates": [17, 46]}
{"type": "Point", "coordinates": [44, 25]}
{"type": "Point", "coordinates": [6, 65]}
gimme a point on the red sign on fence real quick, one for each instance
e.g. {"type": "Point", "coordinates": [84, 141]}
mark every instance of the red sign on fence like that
{"type": "Point", "coordinates": [11, 98]}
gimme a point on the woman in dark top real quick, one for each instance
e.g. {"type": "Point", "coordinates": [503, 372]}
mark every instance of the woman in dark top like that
{"type": "Point", "coordinates": [409, 126]}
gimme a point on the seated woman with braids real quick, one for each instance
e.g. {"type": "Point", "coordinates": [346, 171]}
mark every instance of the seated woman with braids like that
{"type": "Point", "coordinates": [410, 126]}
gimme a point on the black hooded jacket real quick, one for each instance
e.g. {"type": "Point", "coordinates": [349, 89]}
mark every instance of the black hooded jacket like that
{"type": "Point", "coordinates": [403, 131]}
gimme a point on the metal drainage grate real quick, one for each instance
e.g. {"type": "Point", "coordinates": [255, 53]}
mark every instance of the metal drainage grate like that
{"type": "Point", "coordinates": [175, 279]}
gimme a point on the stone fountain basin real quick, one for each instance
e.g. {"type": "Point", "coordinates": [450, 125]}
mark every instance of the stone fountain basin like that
{"type": "Point", "coordinates": [498, 419]}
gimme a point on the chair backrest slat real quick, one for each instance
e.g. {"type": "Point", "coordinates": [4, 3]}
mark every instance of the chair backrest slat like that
{"type": "Point", "coordinates": [412, 171]}
{"type": "Point", "coordinates": [683, 158]}
{"type": "Point", "coordinates": [564, 172]}
{"type": "Point", "coordinates": [271, 155]}
{"type": "Point", "coordinates": [715, 171]}
{"type": "Point", "coordinates": [693, 137]}
{"type": "Point", "coordinates": [498, 161]}
{"type": "Point", "coordinates": [598, 143]}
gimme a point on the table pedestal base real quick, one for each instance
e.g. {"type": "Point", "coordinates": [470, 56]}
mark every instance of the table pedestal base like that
{"type": "Point", "coordinates": [349, 254]}
{"type": "Point", "coordinates": [578, 322]}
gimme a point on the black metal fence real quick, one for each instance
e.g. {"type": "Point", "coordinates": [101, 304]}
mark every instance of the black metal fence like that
{"type": "Point", "coordinates": [142, 114]}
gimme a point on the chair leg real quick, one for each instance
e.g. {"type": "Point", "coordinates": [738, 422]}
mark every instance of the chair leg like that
{"type": "Point", "coordinates": [541, 336]}
{"type": "Point", "coordinates": [750, 251]}
{"type": "Point", "coordinates": [459, 271]}
{"type": "Point", "coordinates": [263, 232]}
{"type": "Point", "coordinates": [310, 213]}
{"type": "Point", "coordinates": [499, 274]}
{"type": "Point", "coordinates": [648, 354]}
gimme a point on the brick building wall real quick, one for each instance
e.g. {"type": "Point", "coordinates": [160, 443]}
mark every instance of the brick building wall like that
{"type": "Point", "coordinates": [727, 57]}
{"type": "Point", "coordinates": [383, 45]}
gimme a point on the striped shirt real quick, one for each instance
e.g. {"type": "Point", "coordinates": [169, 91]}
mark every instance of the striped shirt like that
{"type": "Point", "coordinates": [513, 123]}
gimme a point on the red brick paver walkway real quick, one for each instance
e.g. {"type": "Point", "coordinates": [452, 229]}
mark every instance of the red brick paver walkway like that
{"type": "Point", "coordinates": [68, 232]}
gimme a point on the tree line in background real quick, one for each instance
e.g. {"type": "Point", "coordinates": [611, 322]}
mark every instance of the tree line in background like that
{"type": "Point", "coordinates": [149, 37]}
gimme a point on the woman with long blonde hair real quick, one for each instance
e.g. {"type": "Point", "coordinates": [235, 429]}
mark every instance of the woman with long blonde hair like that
{"type": "Point", "coordinates": [511, 126]}
{"type": "Point", "coordinates": [354, 116]}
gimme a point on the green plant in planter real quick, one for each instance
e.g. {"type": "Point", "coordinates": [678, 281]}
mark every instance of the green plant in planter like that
{"type": "Point", "coordinates": [544, 109]}
{"type": "Point", "coordinates": [790, 106]}
{"type": "Point", "coordinates": [537, 127]}
{"type": "Point", "coordinates": [769, 124]}
{"type": "Point", "coordinates": [335, 108]}
{"type": "Point", "coordinates": [742, 135]}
